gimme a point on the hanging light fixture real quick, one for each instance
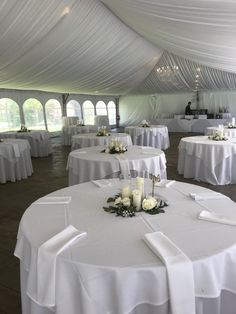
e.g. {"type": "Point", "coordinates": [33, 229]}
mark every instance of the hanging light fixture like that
{"type": "Point", "coordinates": [167, 73]}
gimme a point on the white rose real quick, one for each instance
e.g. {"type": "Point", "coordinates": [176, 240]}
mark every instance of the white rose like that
{"type": "Point", "coordinates": [117, 149]}
{"type": "Point", "coordinates": [149, 203]}
{"type": "Point", "coordinates": [126, 201]}
{"type": "Point", "coordinates": [117, 200]}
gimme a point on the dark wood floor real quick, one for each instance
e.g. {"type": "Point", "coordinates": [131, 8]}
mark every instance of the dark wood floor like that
{"type": "Point", "coordinates": [49, 175]}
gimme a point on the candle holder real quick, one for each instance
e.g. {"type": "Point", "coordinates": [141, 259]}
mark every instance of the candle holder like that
{"type": "Point", "coordinates": [154, 180]}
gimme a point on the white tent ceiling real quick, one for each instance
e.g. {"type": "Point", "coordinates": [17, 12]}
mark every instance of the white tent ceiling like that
{"type": "Point", "coordinates": [114, 47]}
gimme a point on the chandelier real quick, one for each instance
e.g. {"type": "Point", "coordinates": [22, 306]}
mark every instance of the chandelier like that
{"type": "Point", "coordinates": [167, 73]}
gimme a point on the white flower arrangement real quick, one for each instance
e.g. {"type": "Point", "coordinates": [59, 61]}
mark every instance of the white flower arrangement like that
{"type": "Point", "coordinates": [23, 128]}
{"type": "Point", "coordinates": [145, 124]}
{"type": "Point", "coordinates": [218, 136]}
{"type": "Point", "coordinates": [115, 147]}
{"type": "Point", "coordinates": [103, 131]}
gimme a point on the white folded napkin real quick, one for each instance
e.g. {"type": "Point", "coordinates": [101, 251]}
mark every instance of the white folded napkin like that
{"type": "Point", "coordinates": [164, 183]}
{"type": "Point", "coordinates": [124, 165]}
{"type": "Point", "coordinates": [16, 149]}
{"type": "Point", "coordinates": [54, 200]}
{"type": "Point", "coordinates": [103, 183]}
{"type": "Point", "coordinates": [46, 264]}
{"type": "Point", "coordinates": [211, 195]}
{"type": "Point", "coordinates": [213, 217]}
{"type": "Point", "coordinates": [179, 271]}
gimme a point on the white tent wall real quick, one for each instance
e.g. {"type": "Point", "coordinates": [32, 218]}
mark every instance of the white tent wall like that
{"type": "Point", "coordinates": [135, 108]}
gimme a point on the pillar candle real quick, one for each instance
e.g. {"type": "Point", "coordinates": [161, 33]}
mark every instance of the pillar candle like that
{"type": "Point", "coordinates": [137, 199]}
{"type": "Point", "coordinates": [125, 192]}
{"type": "Point", "coordinates": [140, 185]}
{"type": "Point", "coordinates": [233, 121]}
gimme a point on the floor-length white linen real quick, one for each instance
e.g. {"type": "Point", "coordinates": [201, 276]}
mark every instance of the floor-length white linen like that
{"type": "Point", "coordinates": [154, 136]}
{"type": "Point", "coordinates": [69, 131]}
{"type": "Point", "coordinates": [206, 160]}
{"type": "Point", "coordinates": [90, 164]}
{"type": "Point", "coordinates": [112, 270]}
{"type": "Point", "coordinates": [15, 160]}
{"type": "Point", "coordinates": [39, 140]}
{"type": "Point", "coordinates": [91, 139]}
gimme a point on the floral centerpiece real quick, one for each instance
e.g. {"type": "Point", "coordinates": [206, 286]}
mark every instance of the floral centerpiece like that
{"type": "Point", "coordinates": [23, 128]}
{"type": "Point", "coordinates": [103, 132]}
{"type": "Point", "coordinates": [218, 136]}
{"type": "Point", "coordinates": [80, 122]}
{"type": "Point", "coordinates": [145, 124]}
{"type": "Point", "coordinates": [127, 202]}
{"type": "Point", "coordinates": [115, 147]}
{"type": "Point", "coordinates": [231, 126]}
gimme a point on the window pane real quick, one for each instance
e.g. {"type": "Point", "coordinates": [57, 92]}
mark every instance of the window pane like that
{"type": "Point", "coordinates": [33, 112]}
{"type": "Point", "coordinates": [9, 115]}
{"type": "Point", "coordinates": [53, 115]}
{"type": "Point", "coordinates": [88, 112]}
{"type": "Point", "coordinates": [101, 109]}
{"type": "Point", "coordinates": [111, 108]}
{"type": "Point", "coordinates": [73, 109]}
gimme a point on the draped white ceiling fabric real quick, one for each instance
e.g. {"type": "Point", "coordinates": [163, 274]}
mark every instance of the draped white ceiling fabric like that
{"type": "Point", "coordinates": [110, 47]}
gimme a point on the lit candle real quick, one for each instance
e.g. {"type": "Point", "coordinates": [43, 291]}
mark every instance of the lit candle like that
{"type": "Point", "coordinates": [137, 199]}
{"type": "Point", "coordinates": [233, 121]}
{"type": "Point", "coordinates": [125, 192]}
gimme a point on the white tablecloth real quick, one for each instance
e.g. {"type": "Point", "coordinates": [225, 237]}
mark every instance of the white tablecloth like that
{"type": "Point", "coordinates": [39, 141]}
{"type": "Point", "coordinates": [102, 121]}
{"type": "Point", "coordinates": [91, 139]}
{"type": "Point", "coordinates": [15, 160]}
{"type": "Point", "coordinates": [90, 164]}
{"type": "Point", "coordinates": [227, 131]}
{"type": "Point", "coordinates": [67, 121]}
{"type": "Point", "coordinates": [69, 131]}
{"type": "Point", "coordinates": [194, 125]}
{"type": "Point", "coordinates": [154, 136]}
{"type": "Point", "coordinates": [207, 160]}
{"type": "Point", "coordinates": [112, 270]}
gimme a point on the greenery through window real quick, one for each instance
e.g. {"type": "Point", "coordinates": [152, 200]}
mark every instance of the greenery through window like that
{"type": "Point", "coordinates": [88, 112]}
{"type": "Point", "coordinates": [101, 109]}
{"type": "Point", "coordinates": [73, 109]}
{"type": "Point", "coordinates": [33, 113]}
{"type": "Point", "coordinates": [9, 115]}
{"type": "Point", "coordinates": [53, 115]}
{"type": "Point", "coordinates": [111, 108]}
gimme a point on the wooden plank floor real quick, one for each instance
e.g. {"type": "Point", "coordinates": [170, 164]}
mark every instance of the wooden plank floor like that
{"type": "Point", "coordinates": [50, 175]}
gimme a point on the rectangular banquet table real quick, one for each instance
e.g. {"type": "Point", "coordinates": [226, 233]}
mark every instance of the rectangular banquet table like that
{"type": "Point", "coordinates": [111, 269]}
{"type": "Point", "coordinates": [90, 164]}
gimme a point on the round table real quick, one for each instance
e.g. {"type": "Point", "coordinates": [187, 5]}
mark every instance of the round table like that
{"type": "Point", "coordinates": [15, 160]}
{"type": "Point", "coordinates": [111, 269]}
{"type": "Point", "coordinates": [90, 164]}
{"type": "Point", "coordinates": [228, 132]}
{"type": "Point", "coordinates": [69, 131]}
{"type": "Point", "coordinates": [206, 160]}
{"type": "Point", "coordinates": [154, 136]}
{"type": "Point", "coordinates": [39, 140]}
{"type": "Point", "coordinates": [91, 139]}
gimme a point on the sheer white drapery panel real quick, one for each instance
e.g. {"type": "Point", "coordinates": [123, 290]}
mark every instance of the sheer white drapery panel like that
{"type": "Point", "coordinates": [75, 46]}
{"type": "Point", "coordinates": [200, 30]}
{"type": "Point", "coordinates": [184, 78]}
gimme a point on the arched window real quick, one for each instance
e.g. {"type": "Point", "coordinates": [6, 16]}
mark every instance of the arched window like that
{"type": "Point", "coordinates": [111, 108]}
{"type": "Point", "coordinates": [9, 115]}
{"type": "Point", "coordinates": [101, 109]}
{"type": "Point", "coordinates": [88, 112]}
{"type": "Point", "coordinates": [53, 115]}
{"type": "Point", "coordinates": [73, 109]}
{"type": "Point", "coordinates": [33, 113]}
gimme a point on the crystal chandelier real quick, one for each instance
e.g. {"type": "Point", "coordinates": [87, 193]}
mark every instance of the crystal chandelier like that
{"type": "Point", "coordinates": [167, 73]}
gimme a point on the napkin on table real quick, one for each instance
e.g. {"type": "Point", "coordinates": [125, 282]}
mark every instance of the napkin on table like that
{"type": "Point", "coordinates": [210, 195]}
{"type": "Point", "coordinates": [16, 149]}
{"type": "Point", "coordinates": [213, 217]}
{"type": "Point", "coordinates": [103, 183]}
{"type": "Point", "coordinates": [124, 165]}
{"type": "Point", "coordinates": [179, 272]}
{"type": "Point", "coordinates": [54, 200]}
{"type": "Point", "coordinates": [46, 264]}
{"type": "Point", "coordinates": [164, 183]}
